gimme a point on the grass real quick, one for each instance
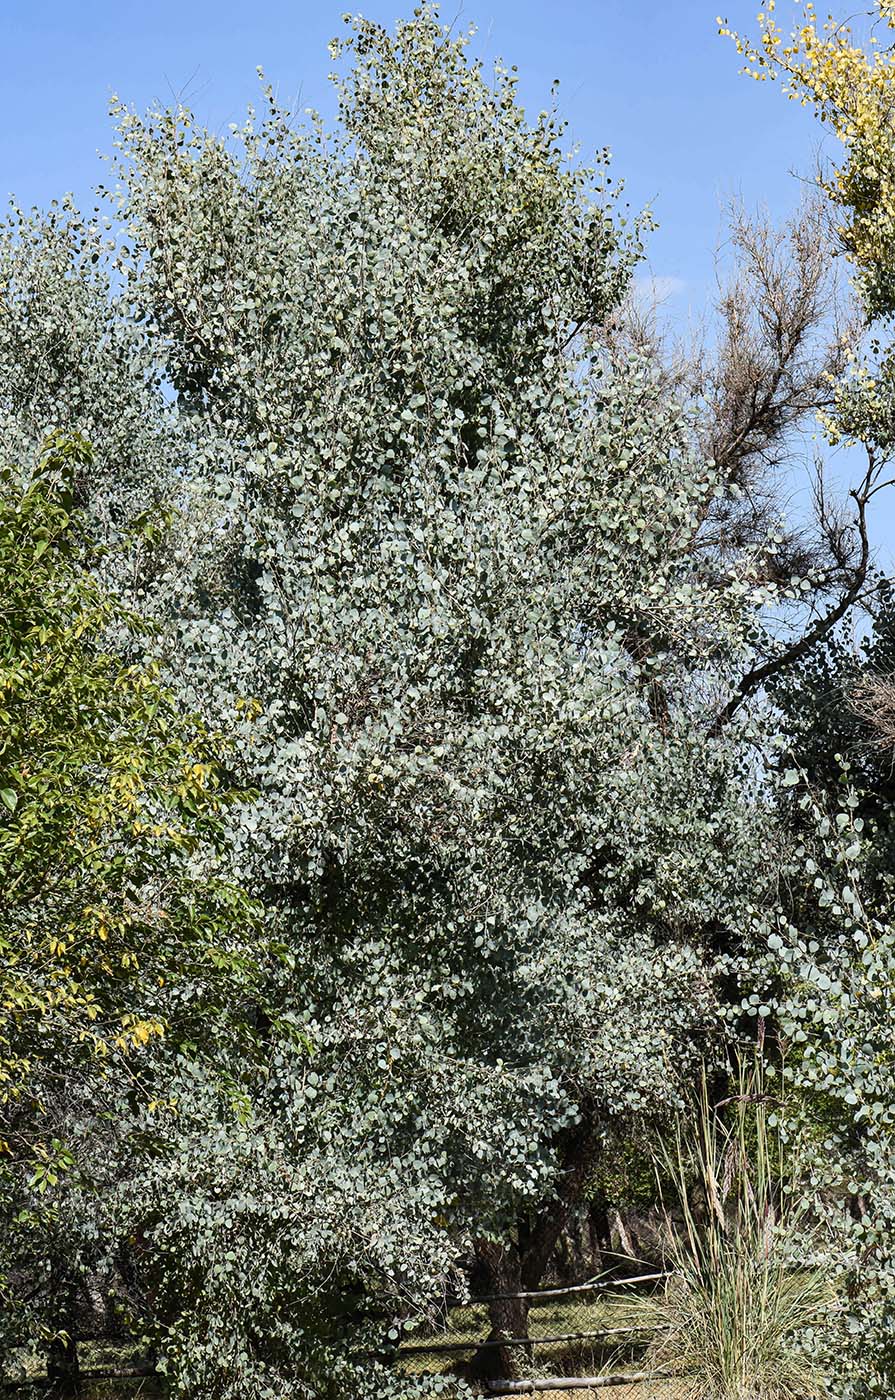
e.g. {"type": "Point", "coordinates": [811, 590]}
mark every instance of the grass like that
{"type": "Point", "coordinates": [731, 1321]}
{"type": "Point", "coordinates": [733, 1315]}
{"type": "Point", "coordinates": [554, 1317]}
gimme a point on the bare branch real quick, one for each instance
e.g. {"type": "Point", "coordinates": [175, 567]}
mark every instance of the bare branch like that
{"type": "Point", "coordinates": [856, 577]}
{"type": "Point", "coordinates": [785, 340]}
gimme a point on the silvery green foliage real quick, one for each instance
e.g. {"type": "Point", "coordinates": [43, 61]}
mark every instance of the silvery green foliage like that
{"type": "Point", "coordinates": [828, 972]}
{"type": "Point", "coordinates": [827, 975]}
{"type": "Point", "coordinates": [437, 568]}
{"type": "Point", "coordinates": [69, 354]}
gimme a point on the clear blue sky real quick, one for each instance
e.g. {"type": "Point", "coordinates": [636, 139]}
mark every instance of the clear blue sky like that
{"type": "Point", "coordinates": [649, 78]}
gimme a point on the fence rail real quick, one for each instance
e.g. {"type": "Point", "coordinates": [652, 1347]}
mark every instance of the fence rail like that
{"type": "Point", "coordinates": [594, 1286]}
{"type": "Point", "coordinates": [531, 1387]}
{"type": "Point", "coordinates": [584, 1332]}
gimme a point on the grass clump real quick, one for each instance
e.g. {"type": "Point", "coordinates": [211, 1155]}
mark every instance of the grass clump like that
{"type": "Point", "coordinates": [734, 1314]}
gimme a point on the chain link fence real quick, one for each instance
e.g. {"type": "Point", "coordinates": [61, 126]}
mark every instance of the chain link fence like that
{"type": "Point", "coordinates": [568, 1334]}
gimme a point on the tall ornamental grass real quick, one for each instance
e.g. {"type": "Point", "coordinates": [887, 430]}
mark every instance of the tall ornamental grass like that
{"type": "Point", "coordinates": [735, 1309]}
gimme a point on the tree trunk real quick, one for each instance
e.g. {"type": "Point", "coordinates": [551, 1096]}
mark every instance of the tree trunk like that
{"type": "Point", "coordinates": [499, 1266]}
{"type": "Point", "coordinates": [511, 1267]}
{"type": "Point", "coordinates": [62, 1365]}
{"type": "Point", "coordinates": [576, 1157]}
{"type": "Point", "coordinates": [62, 1354]}
{"type": "Point", "coordinates": [599, 1232]}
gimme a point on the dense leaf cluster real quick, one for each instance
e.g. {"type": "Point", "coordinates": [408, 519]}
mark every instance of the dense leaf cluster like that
{"type": "Point", "coordinates": [434, 567]}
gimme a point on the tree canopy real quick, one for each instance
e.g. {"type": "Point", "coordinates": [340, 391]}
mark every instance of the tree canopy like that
{"type": "Point", "coordinates": [408, 665]}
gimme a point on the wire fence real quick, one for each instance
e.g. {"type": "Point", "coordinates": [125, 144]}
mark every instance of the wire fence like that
{"type": "Point", "coordinates": [575, 1339]}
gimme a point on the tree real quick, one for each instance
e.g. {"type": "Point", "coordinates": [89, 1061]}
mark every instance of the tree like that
{"type": "Point", "coordinates": [828, 968]}
{"type": "Point", "coordinates": [438, 571]}
{"type": "Point", "coordinates": [827, 975]}
{"type": "Point", "coordinates": [847, 79]}
{"type": "Point", "coordinates": [824, 978]}
{"type": "Point", "coordinates": [109, 798]}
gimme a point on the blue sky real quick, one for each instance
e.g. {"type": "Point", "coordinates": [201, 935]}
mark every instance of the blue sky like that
{"type": "Point", "coordinates": [649, 78]}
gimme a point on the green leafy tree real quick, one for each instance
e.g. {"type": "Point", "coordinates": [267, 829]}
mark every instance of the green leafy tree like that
{"type": "Point", "coordinates": [828, 967]}
{"type": "Point", "coordinates": [113, 913]}
{"type": "Point", "coordinates": [825, 979]}
{"type": "Point", "coordinates": [826, 976]}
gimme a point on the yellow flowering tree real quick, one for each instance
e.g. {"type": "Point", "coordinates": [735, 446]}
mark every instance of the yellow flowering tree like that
{"type": "Point", "coordinates": [850, 83]}
{"type": "Point", "coordinates": [848, 77]}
